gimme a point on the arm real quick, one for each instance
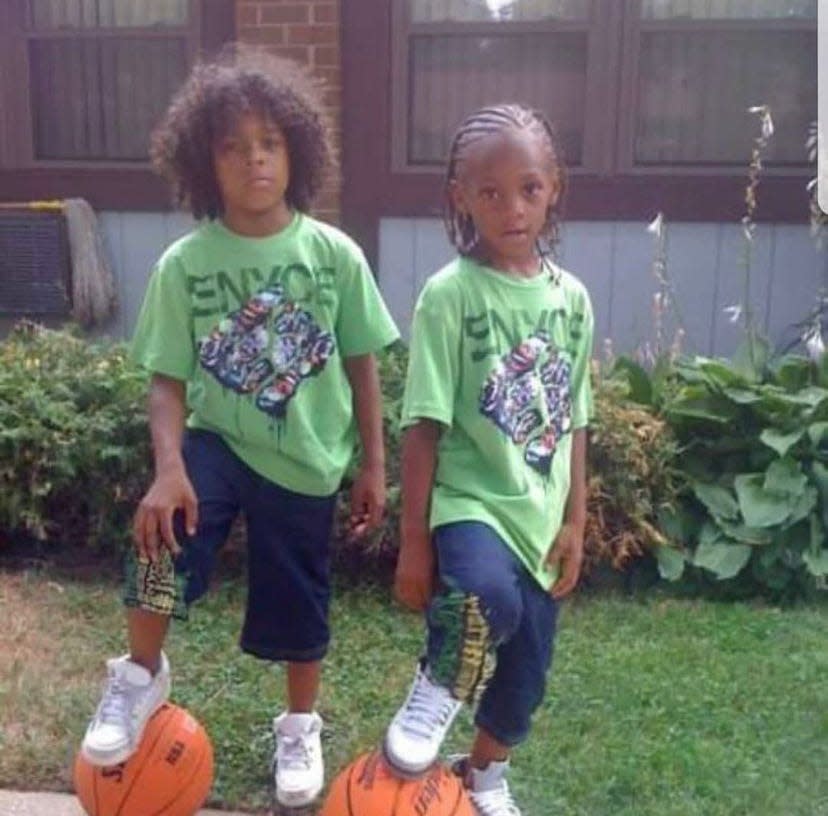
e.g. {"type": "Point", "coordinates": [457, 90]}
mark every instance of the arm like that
{"type": "Point", "coordinates": [368, 491]}
{"type": "Point", "coordinates": [415, 565]}
{"type": "Point", "coordinates": [171, 489]}
{"type": "Point", "coordinates": [568, 549]}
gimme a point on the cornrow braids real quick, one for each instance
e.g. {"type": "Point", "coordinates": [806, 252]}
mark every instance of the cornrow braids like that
{"type": "Point", "coordinates": [479, 125]}
{"type": "Point", "coordinates": [242, 79]}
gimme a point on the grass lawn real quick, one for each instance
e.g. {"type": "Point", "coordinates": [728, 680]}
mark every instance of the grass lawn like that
{"type": "Point", "coordinates": [658, 706]}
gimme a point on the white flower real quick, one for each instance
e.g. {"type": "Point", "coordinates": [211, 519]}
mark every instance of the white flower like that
{"type": "Point", "coordinates": [656, 226]}
{"type": "Point", "coordinates": [814, 345]}
{"type": "Point", "coordinates": [733, 312]}
{"type": "Point", "coordinates": [767, 119]}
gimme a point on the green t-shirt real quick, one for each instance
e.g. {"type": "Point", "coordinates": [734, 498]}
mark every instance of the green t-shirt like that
{"type": "Point", "coordinates": [503, 364]}
{"type": "Point", "coordinates": [258, 328]}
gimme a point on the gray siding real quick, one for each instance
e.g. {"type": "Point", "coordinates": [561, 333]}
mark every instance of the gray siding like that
{"type": "Point", "coordinates": [705, 262]}
{"type": "Point", "coordinates": [613, 259]}
{"type": "Point", "coordinates": [135, 241]}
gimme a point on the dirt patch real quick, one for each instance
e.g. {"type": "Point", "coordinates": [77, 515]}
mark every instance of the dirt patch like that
{"type": "Point", "coordinates": [27, 635]}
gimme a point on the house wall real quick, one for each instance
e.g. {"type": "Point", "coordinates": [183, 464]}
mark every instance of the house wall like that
{"type": "Point", "coordinates": [614, 260]}
{"type": "Point", "coordinates": [307, 31]}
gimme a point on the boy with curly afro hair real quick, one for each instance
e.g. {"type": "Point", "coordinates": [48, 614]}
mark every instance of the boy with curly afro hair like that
{"type": "Point", "coordinates": [259, 329]}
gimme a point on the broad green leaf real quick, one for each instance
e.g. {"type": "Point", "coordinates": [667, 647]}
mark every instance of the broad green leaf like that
{"type": "Point", "coordinates": [759, 536]}
{"type": "Point", "coordinates": [785, 476]}
{"type": "Point", "coordinates": [820, 476]}
{"type": "Point", "coordinates": [804, 505]}
{"type": "Point", "coordinates": [723, 558]}
{"type": "Point", "coordinates": [817, 534]}
{"type": "Point", "coordinates": [751, 358]}
{"type": "Point", "coordinates": [743, 396]}
{"type": "Point", "coordinates": [710, 533]}
{"type": "Point", "coordinates": [822, 371]}
{"type": "Point", "coordinates": [779, 441]}
{"type": "Point", "coordinates": [817, 431]}
{"type": "Point", "coordinates": [670, 563]}
{"type": "Point", "coordinates": [720, 373]}
{"type": "Point", "coordinates": [696, 402]}
{"type": "Point", "coordinates": [817, 563]}
{"type": "Point", "coordinates": [760, 507]}
{"type": "Point", "coordinates": [811, 397]}
{"type": "Point", "coordinates": [677, 523]}
{"type": "Point", "coordinates": [791, 371]}
{"type": "Point", "coordinates": [717, 499]}
{"type": "Point", "coordinates": [641, 389]}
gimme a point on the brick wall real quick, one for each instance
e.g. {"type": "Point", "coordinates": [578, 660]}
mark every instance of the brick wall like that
{"type": "Point", "coordinates": [306, 31]}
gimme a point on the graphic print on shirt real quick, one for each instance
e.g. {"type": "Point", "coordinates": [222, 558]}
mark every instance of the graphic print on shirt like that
{"type": "Point", "coordinates": [527, 396]}
{"type": "Point", "coordinates": [268, 347]}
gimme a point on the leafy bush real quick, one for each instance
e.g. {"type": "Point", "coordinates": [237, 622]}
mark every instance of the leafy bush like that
{"type": "Point", "coordinates": [632, 478]}
{"type": "Point", "coordinates": [754, 437]}
{"type": "Point", "coordinates": [75, 454]}
{"type": "Point", "coordinates": [74, 447]}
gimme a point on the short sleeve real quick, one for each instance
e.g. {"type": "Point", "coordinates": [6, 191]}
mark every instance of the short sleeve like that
{"type": "Point", "coordinates": [163, 341]}
{"type": "Point", "coordinates": [582, 331]}
{"type": "Point", "coordinates": [364, 324]}
{"type": "Point", "coordinates": [433, 364]}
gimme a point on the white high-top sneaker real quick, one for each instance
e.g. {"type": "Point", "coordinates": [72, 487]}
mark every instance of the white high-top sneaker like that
{"type": "Point", "coordinates": [418, 729]}
{"type": "Point", "coordinates": [489, 791]}
{"type": "Point", "coordinates": [131, 696]}
{"type": "Point", "coordinates": [298, 768]}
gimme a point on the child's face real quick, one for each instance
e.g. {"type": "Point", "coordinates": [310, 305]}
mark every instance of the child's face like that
{"type": "Point", "coordinates": [506, 184]}
{"type": "Point", "coordinates": [252, 170]}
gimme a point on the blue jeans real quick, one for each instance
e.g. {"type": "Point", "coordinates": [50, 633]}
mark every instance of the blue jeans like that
{"type": "Point", "coordinates": [491, 628]}
{"type": "Point", "coordinates": [288, 535]}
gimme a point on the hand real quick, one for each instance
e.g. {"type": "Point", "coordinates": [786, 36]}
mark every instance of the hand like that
{"type": "Point", "coordinates": [414, 577]}
{"type": "Point", "coordinates": [367, 501]}
{"type": "Point", "coordinates": [567, 553]}
{"type": "Point", "coordinates": [152, 527]}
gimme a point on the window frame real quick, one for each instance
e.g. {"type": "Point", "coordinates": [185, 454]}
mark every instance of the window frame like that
{"type": "Point", "coordinates": [597, 143]}
{"type": "Point", "coordinates": [106, 183]}
{"type": "Point", "coordinates": [634, 26]}
{"type": "Point", "coordinates": [378, 185]}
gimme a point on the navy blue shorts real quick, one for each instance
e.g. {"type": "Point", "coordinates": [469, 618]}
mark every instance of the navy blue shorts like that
{"type": "Point", "coordinates": [288, 538]}
{"type": "Point", "coordinates": [491, 629]}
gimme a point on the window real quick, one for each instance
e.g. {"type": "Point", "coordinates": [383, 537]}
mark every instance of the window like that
{"type": "Point", "coordinates": [463, 54]}
{"type": "Point", "coordinates": [650, 99]}
{"type": "Point", "coordinates": [695, 67]}
{"type": "Point", "coordinates": [690, 69]}
{"type": "Point", "coordinates": [83, 84]}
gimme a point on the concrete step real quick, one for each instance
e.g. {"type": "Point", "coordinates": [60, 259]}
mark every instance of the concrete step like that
{"type": "Point", "coordinates": [17, 803]}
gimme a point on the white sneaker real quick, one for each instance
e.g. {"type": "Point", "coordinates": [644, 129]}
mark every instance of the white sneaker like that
{"type": "Point", "coordinates": [298, 768]}
{"type": "Point", "coordinates": [131, 696]}
{"type": "Point", "coordinates": [489, 791]}
{"type": "Point", "coordinates": [418, 729]}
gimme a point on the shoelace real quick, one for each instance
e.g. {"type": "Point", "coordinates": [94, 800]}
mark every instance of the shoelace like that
{"type": "Point", "coordinates": [421, 715]}
{"type": "Point", "coordinates": [294, 753]}
{"type": "Point", "coordinates": [495, 802]}
{"type": "Point", "coordinates": [114, 702]}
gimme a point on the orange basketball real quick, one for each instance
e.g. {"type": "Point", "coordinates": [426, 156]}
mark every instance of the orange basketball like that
{"type": "Point", "coordinates": [169, 775]}
{"type": "Point", "coordinates": [367, 787]}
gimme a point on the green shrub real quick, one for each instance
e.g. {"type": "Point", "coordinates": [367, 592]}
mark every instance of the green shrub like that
{"type": "Point", "coordinates": [754, 437]}
{"type": "Point", "coordinates": [632, 480]}
{"type": "Point", "coordinates": [74, 447]}
{"type": "Point", "coordinates": [75, 454]}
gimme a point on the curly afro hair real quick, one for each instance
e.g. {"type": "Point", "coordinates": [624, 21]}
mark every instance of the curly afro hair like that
{"type": "Point", "coordinates": [242, 79]}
